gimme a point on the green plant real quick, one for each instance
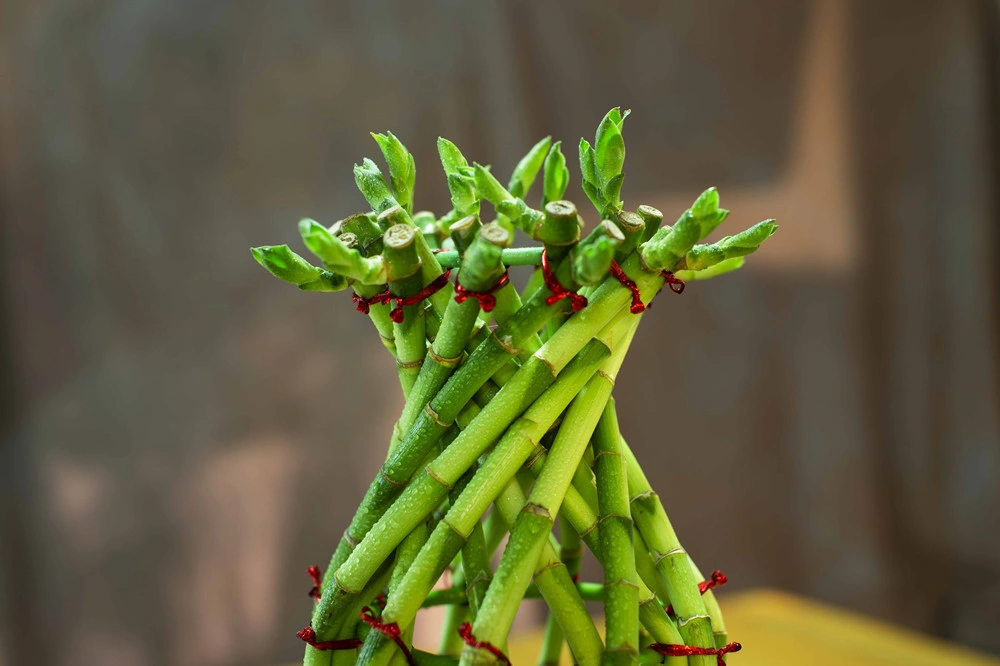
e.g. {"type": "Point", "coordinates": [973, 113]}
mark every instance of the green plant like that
{"type": "Point", "coordinates": [518, 417]}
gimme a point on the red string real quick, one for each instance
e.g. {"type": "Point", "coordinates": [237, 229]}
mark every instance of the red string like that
{"type": "Point", "coordinates": [391, 630]}
{"type": "Point", "coordinates": [487, 301]}
{"type": "Point", "coordinates": [385, 297]}
{"type": "Point", "coordinates": [465, 631]}
{"type": "Point", "coordinates": [363, 304]}
{"type": "Point", "coordinates": [559, 292]}
{"type": "Point", "coordinates": [675, 283]}
{"type": "Point", "coordinates": [689, 650]}
{"type": "Point", "coordinates": [717, 579]}
{"type": "Point", "coordinates": [317, 579]}
{"type": "Point", "coordinates": [309, 636]}
{"type": "Point", "coordinates": [629, 284]}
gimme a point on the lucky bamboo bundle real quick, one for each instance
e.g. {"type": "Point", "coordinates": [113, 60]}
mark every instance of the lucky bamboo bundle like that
{"type": "Point", "coordinates": [509, 422]}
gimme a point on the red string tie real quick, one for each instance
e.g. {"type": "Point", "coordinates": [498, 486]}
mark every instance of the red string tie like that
{"type": "Point", "coordinates": [559, 292]}
{"type": "Point", "coordinates": [390, 629]}
{"type": "Point", "coordinates": [717, 579]}
{"type": "Point", "coordinates": [465, 631]}
{"type": "Point", "coordinates": [487, 299]}
{"type": "Point", "coordinates": [397, 312]}
{"type": "Point", "coordinates": [689, 650]}
{"type": "Point", "coordinates": [675, 283]}
{"type": "Point", "coordinates": [309, 636]}
{"type": "Point", "coordinates": [317, 579]}
{"type": "Point", "coordinates": [627, 282]}
{"type": "Point", "coordinates": [363, 304]}
{"type": "Point", "coordinates": [385, 297]}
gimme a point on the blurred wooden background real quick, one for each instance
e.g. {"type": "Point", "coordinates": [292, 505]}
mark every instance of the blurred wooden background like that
{"type": "Point", "coordinates": [182, 435]}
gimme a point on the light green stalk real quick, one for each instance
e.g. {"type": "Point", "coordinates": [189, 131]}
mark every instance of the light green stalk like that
{"type": "Point", "coordinates": [529, 533]}
{"type": "Point", "coordinates": [570, 552]}
{"type": "Point", "coordinates": [621, 603]}
{"type": "Point", "coordinates": [405, 280]}
{"type": "Point", "coordinates": [490, 480]}
{"type": "Point", "coordinates": [672, 561]}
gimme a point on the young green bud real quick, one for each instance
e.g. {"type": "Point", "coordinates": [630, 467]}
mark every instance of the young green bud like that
{"type": "Point", "coordinates": [489, 187]}
{"type": "Point", "coordinates": [591, 183]}
{"type": "Point", "coordinates": [602, 164]}
{"type": "Point", "coordinates": [336, 253]}
{"type": "Point", "coordinates": [592, 257]}
{"type": "Point", "coordinates": [402, 169]}
{"type": "Point", "coordinates": [609, 149]}
{"type": "Point", "coordinates": [326, 281]}
{"type": "Point", "coordinates": [282, 263]}
{"type": "Point", "coordinates": [451, 157]}
{"type": "Point", "coordinates": [702, 256]}
{"type": "Point", "coordinates": [364, 226]}
{"type": "Point", "coordinates": [669, 245]}
{"type": "Point", "coordinates": [556, 178]}
{"type": "Point", "coordinates": [712, 271]}
{"type": "Point", "coordinates": [529, 166]}
{"type": "Point", "coordinates": [372, 185]}
{"type": "Point", "coordinates": [464, 232]}
{"type": "Point", "coordinates": [749, 240]}
{"type": "Point", "coordinates": [318, 239]}
{"type": "Point", "coordinates": [464, 196]}
{"type": "Point", "coordinates": [423, 217]}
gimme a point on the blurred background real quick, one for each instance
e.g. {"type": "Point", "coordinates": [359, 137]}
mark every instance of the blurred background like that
{"type": "Point", "coordinates": [182, 434]}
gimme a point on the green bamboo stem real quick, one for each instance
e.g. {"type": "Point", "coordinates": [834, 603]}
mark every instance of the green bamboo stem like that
{"type": "Point", "coordinates": [405, 280]}
{"type": "Point", "coordinates": [488, 483]}
{"type": "Point", "coordinates": [512, 256]}
{"type": "Point", "coordinates": [429, 266]}
{"type": "Point", "coordinates": [646, 569]}
{"type": "Point", "coordinates": [714, 610]}
{"type": "Point", "coordinates": [555, 584]}
{"type": "Point", "coordinates": [570, 552]}
{"type": "Point", "coordinates": [348, 627]}
{"type": "Point", "coordinates": [476, 565]}
{"type": "Point", "coordinates": [671, 561]}
{"type": "Point", "coordinates": [582, 515]}
{"type": "Point", "coordinates": [437, 417]}
{"type": "Point", "coordinates": [450, 643]}
{"type": "Point", "coordinates": [633, 228]}
{"type": "Point", "coordinates": [588, 591]}
{"type": "Point", "coordinates": [378, 313]}
{"type": "Point", "coordinates": [527, 384]}
{"type": "Point", "coordinates": [607, 301]}
{"type": "Point", "coordinates": [552, 642]}
{"type": "Point", "coordinates": [494, 529]}
{"type": "Point", "coordinates": [405, 554]}
{"type": "Point", "coordinates": [621, 604]}
{"type": "Point", "coordinates": [652, 218]}
{"type": "Point", "coordinates": [493, 476]}
{"type": "Point", "coordinates": [654, 520]}
{"type": "Point", "coordinates": [530, 531]}
{"type": "Point", "coordinates": [481, 271]}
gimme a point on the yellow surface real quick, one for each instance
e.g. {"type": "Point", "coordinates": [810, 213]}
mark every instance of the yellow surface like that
{"type": "Point", "coordinates": [778, 629]}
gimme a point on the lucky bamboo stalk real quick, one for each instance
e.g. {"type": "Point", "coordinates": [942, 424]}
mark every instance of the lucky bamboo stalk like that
{"type": "Point", "coordinates": [621, 588]}
{"type": "Point", "coordinates": [529, 532]}
{"type": "Point", "coordinates": [503, 416]}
